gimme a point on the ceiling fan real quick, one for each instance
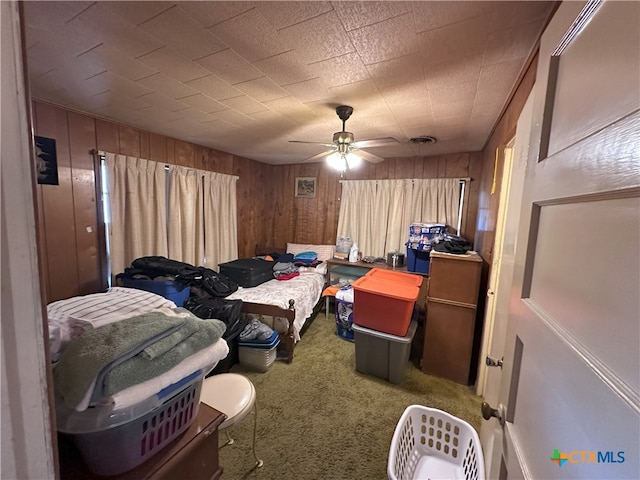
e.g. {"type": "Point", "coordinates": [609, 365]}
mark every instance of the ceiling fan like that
{"type": "Point", "coordinates": [344, 153]}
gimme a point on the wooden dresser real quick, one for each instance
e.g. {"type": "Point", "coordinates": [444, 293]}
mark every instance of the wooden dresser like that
{"type": "Point", "coordinates": [452, 298]}
{"type": "Point", "coordinates": [193, 455]}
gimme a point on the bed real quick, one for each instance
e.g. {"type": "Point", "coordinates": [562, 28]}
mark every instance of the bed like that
{"type": "Point", "coordinates": [287, 306]}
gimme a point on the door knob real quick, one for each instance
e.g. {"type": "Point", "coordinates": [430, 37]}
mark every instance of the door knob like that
{"type": "Point", "coordinates": [488, 411]}
{"type": "Point", "coordinates": [493, 362]}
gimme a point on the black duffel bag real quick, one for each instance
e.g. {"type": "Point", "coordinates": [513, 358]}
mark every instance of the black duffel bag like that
{"type": "Point", "coordinates": [212, 282]}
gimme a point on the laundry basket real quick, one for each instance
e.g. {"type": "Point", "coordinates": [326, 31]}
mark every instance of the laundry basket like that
{"type": "Point", "coordinates": [431, 444]}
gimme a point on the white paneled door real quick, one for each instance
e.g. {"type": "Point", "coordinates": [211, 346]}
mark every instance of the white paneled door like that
{"type": "Point", "coordinates": [569, 394]}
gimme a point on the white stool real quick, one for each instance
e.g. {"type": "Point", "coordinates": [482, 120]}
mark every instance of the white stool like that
{"type": "Point", "coordinates": [235, 396]}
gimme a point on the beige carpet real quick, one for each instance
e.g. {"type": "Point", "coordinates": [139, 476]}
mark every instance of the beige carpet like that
{"type": "Point", "coordinates": [320, 419]}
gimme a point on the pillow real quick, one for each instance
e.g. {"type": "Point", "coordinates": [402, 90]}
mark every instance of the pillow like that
{"type": "Point", "coordinates": [325, 252]}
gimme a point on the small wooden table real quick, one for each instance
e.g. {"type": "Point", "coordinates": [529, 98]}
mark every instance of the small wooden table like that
{"type": "Point", "coordinates": [193, 455]}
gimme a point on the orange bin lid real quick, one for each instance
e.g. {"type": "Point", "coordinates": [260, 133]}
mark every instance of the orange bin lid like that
{"type": "Point", "coordinates": [397, 290]}
{"type": "Point", "coordinates": [393, 276]}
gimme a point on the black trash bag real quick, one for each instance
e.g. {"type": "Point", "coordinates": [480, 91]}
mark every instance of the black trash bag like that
{"type": "Point", "coordinates": [228, 311]}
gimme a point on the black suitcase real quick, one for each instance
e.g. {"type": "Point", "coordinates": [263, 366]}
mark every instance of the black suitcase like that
{"type": "Point", "coordinates": [248, 272]}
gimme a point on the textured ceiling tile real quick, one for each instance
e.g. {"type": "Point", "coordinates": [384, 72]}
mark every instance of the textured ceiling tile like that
{"type": "Point", "coordinates": [111, 81]}
{"type": "Point", "coordinates": [230, 66]}
{"type": "Point", "coordinates": [262, 89]}
{"type": "Point", "coordinates": [465, 70]}
{"type": "Point", "coordinates": [497, 80]}
{"type": "Point", "coordinates": [244, 104]}
{"type": "Point", "coordinates": [52, 14]}
{"type": "Point", "coordinates": [406, 94]}
{"type": "Point", "coordinates": [386, 40]}
{"type": "Point", "coordinates": [397, 71]}
{"type": "Point", "coordinates": [212, 13]}
{"type": "Point", "coordinates": [178, 30]}
{"type": "Point", "coordinates": [107, 26]}
{"type": "Point", "coordinates": [137, 12]}
{"type": "Point", "coordinates": [118, 62]}
{"type": "Point", "coordinates": [453, 42]}
{"type": "Point", "coordinates": [285, 68]}
{"type": "Point", "coordinates": [521, 40]}
{"type": "Point", "coordinates": [450, 109]}
{"type": "Point", "coordinates": [285, 14]}
{"type": "Point", "coordinates": [418, 107]}
{"type": "Point", "coordinates": [158, 100]}
{"type": "Point", "coordinates": [169, 87]}
{"type": "Point", "coordinates": [354, 15]}
{"type": "Point", "coordinates": [455, 92]}
{"type": "Point", "coordinates": [251, 36]}
{"type": "Point", "coordinates": [68, 41]}
{"type": "Point", "coordinates": [235, 118]}
{"type": "Point", "coordinates": [433, 15]}
{"type": "Point", "coordinates": [203, 103]}
{"type": "Point", "coordinates": [341, 70]}
{"type": "Point", "coordinates": [292, 109]}
{"type": "Point", "coordinates": [173, 64]}
{"type": "Point", "coordinates": [319, 38]}
{"type": "Point", "coordinates": [214, 87]}
{"type": "Point", "coordinates": [309, 90]}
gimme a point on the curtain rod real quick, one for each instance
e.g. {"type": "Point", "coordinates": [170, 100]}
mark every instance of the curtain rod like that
{"type": "Point", "coordinates": [465, 179]}
{"type": "Point", "coordinates": [103, 154]}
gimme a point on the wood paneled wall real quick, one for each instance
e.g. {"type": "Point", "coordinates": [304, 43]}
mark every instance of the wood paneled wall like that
{"type": "Point", "coordinates": [71, 234]}
{"type": "Point", "coordinates": [268, 212]}
{"type": "Point", "coordinates": [288, 218]}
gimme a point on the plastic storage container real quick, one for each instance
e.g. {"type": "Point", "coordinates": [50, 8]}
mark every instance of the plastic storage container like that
{"type": "Point", "coordinates": [113, 442]}
{"type": "Point", "coordinates": [175, 291]}
{"type": "Point", "coordinates": [418, 260]}
{"type": "Point", "coordinates": [258, 356]}
{"type": "Point", "coordinates": [383, 355]}
{"type": "Point", "coordinates": [392, 276]}
{"type": "Point", "coordinates": [382, 305]}
{"type": "Point", "coordinates": [430, 443]}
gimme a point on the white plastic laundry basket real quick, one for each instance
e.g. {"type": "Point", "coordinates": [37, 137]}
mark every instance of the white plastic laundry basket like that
{"type": "Point", "coordinates": [431, 444]}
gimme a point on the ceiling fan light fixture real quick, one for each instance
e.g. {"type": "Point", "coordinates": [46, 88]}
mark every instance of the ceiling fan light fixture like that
{"type": "Point", "coordinates": [344, 161]}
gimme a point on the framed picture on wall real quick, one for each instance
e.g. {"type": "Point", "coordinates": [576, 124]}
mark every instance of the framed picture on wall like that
{"type": "Point", "coordinates": [305, 187]}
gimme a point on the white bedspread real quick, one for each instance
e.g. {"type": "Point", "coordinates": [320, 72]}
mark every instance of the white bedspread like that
{"type": "Point", "coordinates": [305, 290]}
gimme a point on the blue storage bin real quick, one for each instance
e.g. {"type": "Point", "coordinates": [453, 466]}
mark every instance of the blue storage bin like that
{"type": "Point", "coordinates": [418, 260]}
{"type": "Point", "coordinates": [177, 292]}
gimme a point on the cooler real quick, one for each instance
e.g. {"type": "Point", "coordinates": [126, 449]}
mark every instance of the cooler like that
{"type": "Point", "coordinates": [383, 305]}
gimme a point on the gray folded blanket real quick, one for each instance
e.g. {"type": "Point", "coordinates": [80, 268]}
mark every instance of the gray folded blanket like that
{"type": "Point", "coordinates": [116, 356]}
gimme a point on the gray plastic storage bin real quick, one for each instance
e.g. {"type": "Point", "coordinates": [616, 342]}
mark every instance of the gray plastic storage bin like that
{"type": "Point", "coordinates": [381, 354]}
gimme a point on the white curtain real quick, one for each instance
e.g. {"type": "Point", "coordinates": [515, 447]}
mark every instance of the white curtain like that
{"type": "Point", "coordinates": [220, 218]}
{"type": "Point", "coordinates": [186, 220]}
{"type": "Point", "coordinates": [137, 207]}
{"type": "Point", "coordinates": [376, 214]}
{"type": "Point", "coordinates": [176, 212]}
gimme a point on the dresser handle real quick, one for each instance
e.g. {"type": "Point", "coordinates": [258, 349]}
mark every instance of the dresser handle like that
{"type": "Point", "coordinates": [208, 432]}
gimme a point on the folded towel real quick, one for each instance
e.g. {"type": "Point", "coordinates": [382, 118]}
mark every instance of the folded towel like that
{"type": "Point", "coordinates": [111, 358]}
{"type": "Point", "coordinates": [204, 360]}
{"type": "Point", "coordinates": [139, 369]}
{"type": "Point", "coordinates": [87, 355]}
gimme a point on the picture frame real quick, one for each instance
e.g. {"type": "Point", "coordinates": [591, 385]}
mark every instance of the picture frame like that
{"type": "Point", "coordinates": [306, 187]}
{"type": "Point", "coordinates": [46, 160]}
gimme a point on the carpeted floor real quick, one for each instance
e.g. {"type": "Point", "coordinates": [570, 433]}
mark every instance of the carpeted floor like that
{"type": "Point", "coordinates": [320, 419]}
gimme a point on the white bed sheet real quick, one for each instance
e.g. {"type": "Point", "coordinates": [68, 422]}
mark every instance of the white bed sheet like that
{"type": "Point", "coordinates": [305, 290]}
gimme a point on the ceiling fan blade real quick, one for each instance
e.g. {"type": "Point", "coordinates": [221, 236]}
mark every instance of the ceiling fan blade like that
{"type": "Point", "coordinates": [313, 143]}
{"type": "Point", "coordinates": [319, 155]}
{"type": "Point", "coordinates": [369, 157]}
{"type": "Point", "coordinates": [377, 142]}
